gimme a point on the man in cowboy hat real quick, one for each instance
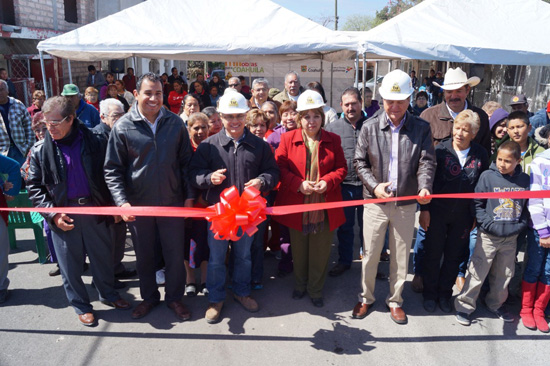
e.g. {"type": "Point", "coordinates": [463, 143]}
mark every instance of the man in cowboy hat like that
{"type": "Point", "coordinates": [456, 87]}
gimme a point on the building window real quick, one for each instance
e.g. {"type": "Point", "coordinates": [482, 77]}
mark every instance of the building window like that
{"type": "Point", "coordinates": [70, 11]}
{"type": "Point", "coordinates": [7, 12]}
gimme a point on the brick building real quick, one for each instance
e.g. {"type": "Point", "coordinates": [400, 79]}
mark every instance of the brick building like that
{"type": "Point", "coordinates": [23, 23]}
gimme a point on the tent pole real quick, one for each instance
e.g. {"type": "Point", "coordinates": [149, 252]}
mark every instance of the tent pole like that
{"type": "Point", "coordinates": [375, 80]}
{"type": "Point", "coordinates": [356, 69]}
{"type": "Point", "coordinates": [43, 74]}
{"type": "Point", "coordinates": [331, 80]}
{"type": "Point", "coordinates": [364, 78]}
{"type": "Point", "coordinates": [321, 73]}
{"type": "Point", "coordinates": [70, 72]}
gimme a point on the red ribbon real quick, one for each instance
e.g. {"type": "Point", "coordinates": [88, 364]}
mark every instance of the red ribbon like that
{"type": "Point", "coordinates": [235, 214]}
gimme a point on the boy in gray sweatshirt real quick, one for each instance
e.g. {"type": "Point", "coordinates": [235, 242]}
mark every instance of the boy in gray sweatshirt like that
{"type": "Point", "coordinates": [499, 221]}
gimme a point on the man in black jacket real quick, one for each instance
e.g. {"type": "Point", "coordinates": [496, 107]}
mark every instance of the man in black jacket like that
{"type": "Point", "coordinates": [146, 164]}
{"type": "Point", "coordinates": [65, 170]}
{"type": "Point", "coordinates": [232, 157]}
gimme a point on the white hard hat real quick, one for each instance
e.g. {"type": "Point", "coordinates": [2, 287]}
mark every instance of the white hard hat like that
{"type": "Point", "coordinates": [396, 85]}
{"type": "Point", "coordinates": [309, 99]}
{"type": "Point", "coordinates": [232, 102]}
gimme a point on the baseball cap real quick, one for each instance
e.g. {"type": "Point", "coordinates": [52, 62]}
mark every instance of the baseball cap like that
{"type": "Point", "coordinates": [396, 85]}
{"type": "Point", "coordinates": [309, 99]}
{"type": "Point", "coordinates": [69, 89]}
{"type": "Point", "coordinates": [518, 99]}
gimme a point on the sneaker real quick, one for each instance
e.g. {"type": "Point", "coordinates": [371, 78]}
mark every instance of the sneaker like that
{"type": "Point", "coordinates": [191, 290]}
{"type": "Point", "coordinates": [257, 286]}
{"type": "Point", "coordinates": [202, 289]}
{"type": "Point", "coordinates": [213, 312]}
{"type": "Point", "coordinates": [161, 279]}
{"type": "Point", "coordinates": [503, 314]}
{"type": "Point", "coordinates": [463, 318]}
{"type": "Point", "coordinates": [248, 303]}
{"type": "Point", "coordinates": [55, 271]}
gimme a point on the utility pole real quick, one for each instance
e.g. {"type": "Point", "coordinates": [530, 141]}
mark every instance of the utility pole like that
{"type": "Point", "coordinates": [335, 14]}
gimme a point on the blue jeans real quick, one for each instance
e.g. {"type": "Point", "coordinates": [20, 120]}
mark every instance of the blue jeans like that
{"type": "Point", "coordinates": [345, 232]}
{"type": "Point", "coordinates": [419, 252]}
{"type": "Point", "coordinates": [215, 280]}
{"type": "Point", "coordinates": [538, 260]}
{"type": "Point", "coordinates": [464, 265]}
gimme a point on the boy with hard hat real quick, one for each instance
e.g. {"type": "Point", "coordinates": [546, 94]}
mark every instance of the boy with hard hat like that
{"type": "Point", "coordinates": [232, 157]}
{"type": "Point", "coordinates": [394, 157]}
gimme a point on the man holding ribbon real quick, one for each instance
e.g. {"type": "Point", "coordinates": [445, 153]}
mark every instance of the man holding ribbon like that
{"type": "Point", "coordinates": [394, 157]}
{"type": "Point", "coordinates": [66, 170]}
{"type": "Point", "coordinates": [232, 157]}
{"type": "Point", "coordinates": [147, 163]}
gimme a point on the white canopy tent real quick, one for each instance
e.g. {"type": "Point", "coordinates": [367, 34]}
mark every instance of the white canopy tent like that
{"type": "Point", "coordinates": [215, 30]}
{"type": "Point", "coordinates": [501, 32]}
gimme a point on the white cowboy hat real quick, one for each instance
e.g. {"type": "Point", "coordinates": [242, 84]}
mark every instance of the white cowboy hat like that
{"type": "Point", "coordinates": [456, 79]}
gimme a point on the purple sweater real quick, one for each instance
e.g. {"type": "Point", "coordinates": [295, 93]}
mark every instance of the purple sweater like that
{"type": "Point", "coordinates": [77, 183]}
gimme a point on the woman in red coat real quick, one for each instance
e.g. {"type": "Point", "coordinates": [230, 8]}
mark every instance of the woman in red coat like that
{"type": "Point", "coordinates": [312, 165]}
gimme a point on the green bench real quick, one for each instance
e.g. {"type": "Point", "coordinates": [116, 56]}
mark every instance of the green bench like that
{"type": "Point", "coordinates": [27, 220]}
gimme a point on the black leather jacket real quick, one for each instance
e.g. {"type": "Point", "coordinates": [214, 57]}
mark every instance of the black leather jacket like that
{"type": "Point", "coordinates": [252, 158]}
{"type": "Point", "coordinates": [416, 166]}
{"type": "Point", "coordinates": [50, 194]}
{"type": "Point", "coordinates": [148, 169]}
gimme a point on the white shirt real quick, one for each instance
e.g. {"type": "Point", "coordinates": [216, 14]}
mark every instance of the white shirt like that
{"type": "Point", "coordinates": [453, 114]}
{"type": "Point", "coordinates": [462, 156]}
{"type": "Point", "coordinates": [394, 153]}
{"type": "Point", "coordinates": [152, 125]}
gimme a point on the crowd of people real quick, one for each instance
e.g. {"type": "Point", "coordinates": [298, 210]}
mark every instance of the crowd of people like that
{"type": "Point", "coordinates": [152, 141]}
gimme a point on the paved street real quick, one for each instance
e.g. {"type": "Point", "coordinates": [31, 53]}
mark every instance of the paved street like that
{"type": "Point", "coordinates": [38, 328]}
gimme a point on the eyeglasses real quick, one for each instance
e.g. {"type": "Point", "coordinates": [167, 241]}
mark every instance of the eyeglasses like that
{"type": "Point", "coordinates": [116, 115]}
{"type": "Point", "coordinates": [233, 85]}
{"type": "Point", "coordinates": [55, 123]}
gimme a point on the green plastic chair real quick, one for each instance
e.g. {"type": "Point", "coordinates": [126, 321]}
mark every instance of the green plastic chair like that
{"type": "Point", "coordinates": [27, 220]}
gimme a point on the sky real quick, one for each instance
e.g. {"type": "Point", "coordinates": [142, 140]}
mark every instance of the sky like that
{"type": "Point", "coordinates": [315, 9]}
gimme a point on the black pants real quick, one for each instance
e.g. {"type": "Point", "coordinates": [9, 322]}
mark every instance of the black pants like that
{"type": "Point", "coordinates": [169, 231]}
{"type": "Point", "coordinates": [448, 236]}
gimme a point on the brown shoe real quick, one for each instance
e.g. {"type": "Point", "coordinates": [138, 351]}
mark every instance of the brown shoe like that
{"type": "Point", "coordinates": [417, 284]}
{"type": "Point", "coordinates": [87, 319]}
{"type": "Point", "coordinates": [119, 304]}
{"type": "Point", "coordinates": [398, 315]}
{"type": "Point", "coordinates": [213, 312]}
{"type": "Point", "coordinates": [248, 303]}
{"type": "Point", "coordinates": [180, 310]}
{"type": "Point", "coordinates": [143, 309]}
{"type": "Point", "coordinates": [460, 281]}
{"type": "Point", "coordinates": [360, 310]}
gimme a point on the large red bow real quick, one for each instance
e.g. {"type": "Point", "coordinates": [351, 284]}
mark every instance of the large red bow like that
{"type": "Point", "coordinates": [236, 214]}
